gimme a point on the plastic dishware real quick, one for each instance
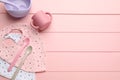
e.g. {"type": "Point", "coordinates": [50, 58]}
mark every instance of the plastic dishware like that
{"type": "Point", "coordinates": [41, 20]}
{"type": "Point", "coordinates": [25, 44]}
{"type": "Point", "coordinates": [9, 2]}
{"type": "Point", "coordinates": [22, 10]}
{"type": "Point", "coordinates": [27, 53]}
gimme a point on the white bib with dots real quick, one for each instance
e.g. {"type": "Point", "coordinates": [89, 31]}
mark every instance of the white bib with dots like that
{"type": "Point", "coordinates": [22, 75]}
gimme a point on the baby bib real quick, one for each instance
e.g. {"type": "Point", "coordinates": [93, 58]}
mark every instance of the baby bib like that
{"type": "Point", "coordinates": [11, 40]}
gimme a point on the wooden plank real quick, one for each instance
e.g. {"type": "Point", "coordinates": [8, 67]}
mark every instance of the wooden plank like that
{"type": "Point", "coordinates": [75, 6]}
{"type": "Point", "coordinates": [78, 76]}
{"type": "Point", "coordinates": [83, 61]}
{"type": "Point", "coordinates": [73, 23]}
{"type": "Point", "coordinates": [85, 23]}
{"type": "Point", "coordinates": [74, 42]}
{"type": "Point", "coordinates": [81, 41]}
{"type": "Point", "coordinates": [78, 6]}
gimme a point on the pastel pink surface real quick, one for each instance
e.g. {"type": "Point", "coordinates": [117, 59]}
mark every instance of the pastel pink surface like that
{"type": "Point", "coordinates": [83, 41]}
{"type": "Point", "coordinates": [76, 6]}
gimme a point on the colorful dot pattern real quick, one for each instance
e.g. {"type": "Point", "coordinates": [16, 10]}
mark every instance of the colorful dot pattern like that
{"type": "Point", "coordinates": [35, 61]}
{"type": "Point", "coordinates": [22, 75]}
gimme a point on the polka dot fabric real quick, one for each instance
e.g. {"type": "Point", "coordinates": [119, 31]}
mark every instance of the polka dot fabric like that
{"type": "Point", "coordinates": [22, 75]}
{"type": "Point", "coordinates": [35, 61]}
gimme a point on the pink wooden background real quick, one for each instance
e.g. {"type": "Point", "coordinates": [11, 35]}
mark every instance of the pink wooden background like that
{"type": "Point", "coordinates": [83, 42]}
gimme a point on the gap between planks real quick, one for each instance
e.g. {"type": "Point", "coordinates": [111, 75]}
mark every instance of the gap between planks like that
{"type": "Point", "coordinates": [74, 24]}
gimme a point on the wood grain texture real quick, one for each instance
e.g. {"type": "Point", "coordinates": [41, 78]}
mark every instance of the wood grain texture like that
{"type": "Point", "coordinates": [81, 41]}
{"type": "Point", "coordinates": [85, 23]}
{"type": "Point", "coordinates": [83, 61]}
{"type": "Point", "coordinates": [73, 23]}
{"type": "Point", "coordinates": [76, 76]}
{"type": "Point", "coordinates": [77, 6]}
{"type": "Point", "coordinates": [79, 76]}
